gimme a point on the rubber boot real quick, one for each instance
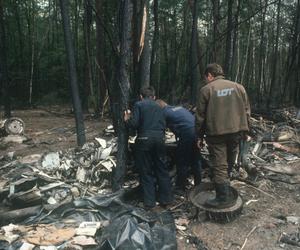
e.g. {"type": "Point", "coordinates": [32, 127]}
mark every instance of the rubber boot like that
{"type": "Point", "coordinates": [224, 197]}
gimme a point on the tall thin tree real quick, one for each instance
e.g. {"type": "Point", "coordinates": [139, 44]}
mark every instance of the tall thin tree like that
{"type": "Point", "coordinates": [72, 73]}
{"type": "Point", "coordinates": [194, 69]}
{"type": "Point", "coordinates": [123, 92]}
{"type": "Point", "coordinates": [3, 65]}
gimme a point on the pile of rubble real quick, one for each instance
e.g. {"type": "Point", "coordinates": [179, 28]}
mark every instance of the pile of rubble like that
{"type": "Point", "coordinates": [274, 150]}
{"type": "Point", "coordinates": [67, 195]}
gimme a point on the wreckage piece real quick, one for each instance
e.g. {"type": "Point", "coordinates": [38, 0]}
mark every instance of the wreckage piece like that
{"type": "Point", "coordinates": [291, 239]}
{"type": "Point", "coordinates": [27, 198]}
{"type": "Point", "coordinates": [13, 126]}
{"type": "Point", "coordinates": [204, 191]}
{"type": "Point", "coordinates": [18, 215]}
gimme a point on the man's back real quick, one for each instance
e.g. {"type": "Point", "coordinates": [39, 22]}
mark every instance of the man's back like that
{"type": "Point", "coordinates": [148, 118]}
{"type": "Point", "coordinates": [178, 119]}
{"type": "Point", "coordinates": [226, 107]}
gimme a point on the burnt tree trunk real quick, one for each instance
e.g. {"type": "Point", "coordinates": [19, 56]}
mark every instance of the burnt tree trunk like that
{"type": "Point", "coordinates": [154, 66]}
{"type": "Point", "coordinates": [216, 31]}
{"type": "Point", "coordinates": [72, 72]}
{"type": "Point", "coordinates": [123, 93]}
{"type": "Point", "coordinates": [229, 41]}
{"type": "Point", "coordinates": [88, 85]}
{"type": "Point", "coordinates": [100, 48]}
{"type": "Point", "coordinates": [3, 66]}
{"type": "Point", "coordinates": [274, 80]}
{"type": "Point", "coordinates": [194, 68]}
{"type": "Point", "coordinates": [144, 64]}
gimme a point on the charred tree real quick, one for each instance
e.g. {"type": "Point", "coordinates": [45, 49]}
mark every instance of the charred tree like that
{"type": "Point", "coordinates": [261, 64]}
{"type": "Point", "coordinates": [216, 31]}
{"type": "Point", "coordinates": [123, 92]}
{"type": "Point", "coordinates": [100, 57]}
{"type": "Point", "coordinates": [154, 65]}
{"type": "Point", "coordinates": [144, 65]}
{"type": "Point", "coordinates": [194, 68]}
{"type": "Point", "coordinates": [72, 73]}
{"type": "Point", "coordinates": [274, 79]}
{"type": "Point", "coordinates": [291, 86]}
{"type": "Point", "coordinates": [88, 84]}
{"type": "Point", "coordinates": [3, 66]}
{"type": "Point", "coordinates": [229, 41]}
{"type": "Point", "coordinates": [141, 46]}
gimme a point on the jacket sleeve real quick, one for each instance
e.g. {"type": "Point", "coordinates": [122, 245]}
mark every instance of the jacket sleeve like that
{"type": "Point", "coordinates": [201, 113]}
{"type": "Point", "coordinates": [133, 122]}
{"type": "Point", "coordinates": [247, 105]}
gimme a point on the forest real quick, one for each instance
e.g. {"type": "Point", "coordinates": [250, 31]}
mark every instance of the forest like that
{"type": "Point", "coordinates": [97, 54]}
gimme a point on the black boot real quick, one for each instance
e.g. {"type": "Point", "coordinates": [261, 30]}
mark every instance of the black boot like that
{"type": "Point", "coordinates": [224, 197]}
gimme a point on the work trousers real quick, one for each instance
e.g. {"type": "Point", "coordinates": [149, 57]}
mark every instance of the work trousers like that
{"type": "Point", "coordinates": [223, 150]}
{"type": "Point", "coordinates": [150, 157]}
{"type": "Point", "coordinates": [187, 159]}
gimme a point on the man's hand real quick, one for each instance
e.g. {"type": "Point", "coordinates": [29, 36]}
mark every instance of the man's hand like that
{"type": "Point", "coordinates": [200, 143]}
{"type": "Point", "coordinates": [127, 115]}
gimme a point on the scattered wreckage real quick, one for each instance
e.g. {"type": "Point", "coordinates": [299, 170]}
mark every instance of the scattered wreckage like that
{"type": "Point", "coordinates": [67, 195]}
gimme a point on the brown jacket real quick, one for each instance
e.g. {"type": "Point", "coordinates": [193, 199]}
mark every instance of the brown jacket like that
{"type": "Point", "coordinates": [222, 108]}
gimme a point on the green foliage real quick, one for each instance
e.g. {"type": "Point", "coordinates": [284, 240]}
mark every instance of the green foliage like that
{"type": "Point", "coordinates": [34, 31]}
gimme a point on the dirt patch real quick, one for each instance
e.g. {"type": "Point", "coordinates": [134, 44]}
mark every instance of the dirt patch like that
{"type": "Point", "coordinates": [52, 129]}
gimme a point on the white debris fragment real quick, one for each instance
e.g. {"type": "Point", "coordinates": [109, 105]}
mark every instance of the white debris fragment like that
{"type": "Point", "coordinates": [105, 153]}
{"type": "Point", "coordinates": [88, 228]}
{"type": "Point", "coordinates": [293, 219]}
{"type": "Point", "coordinates": [102, 142]}
{"type": "Point", "coordinates": [48, 247]}
{"type": "Point", "coordinates": [14, 138]}
{"type": "Point", "coordinates": [66, 164]}
{"type": "Point", "coordinates": [30, 159]}
{"type": "Point", "coordinates": [27, 246]}
{"type": "Point", "coordinates": [81, 174]}
{"type": "Point", "coordinates": [9, 233]}
{"type": "Point", "coordinates": [51, 161]}
{"type": "Point", "coordinates": [84, 241]}
{"type": "Point", "coordinates": [51, 201]}
{"type": "Point", "coordinates": [108, 164]}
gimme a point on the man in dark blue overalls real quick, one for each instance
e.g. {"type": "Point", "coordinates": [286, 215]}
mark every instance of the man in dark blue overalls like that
{"type": "Point", "coordinates": [182, 123]}
{"type": "Point", "coordinates": [150, 155]}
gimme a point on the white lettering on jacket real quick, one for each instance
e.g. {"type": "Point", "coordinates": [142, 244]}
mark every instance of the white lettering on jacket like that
{"type": "Point", "coordinates": [224, 92]}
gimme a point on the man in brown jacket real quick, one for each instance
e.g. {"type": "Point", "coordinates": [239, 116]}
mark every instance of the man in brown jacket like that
{"type": "Point", "coordinates": [222, 114]}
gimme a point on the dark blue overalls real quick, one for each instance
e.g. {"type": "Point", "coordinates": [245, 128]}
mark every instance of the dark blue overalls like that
{"type": "Point", "coordinates": [182, 123]}
{"type": "Point", "coordinates": [150, 153]}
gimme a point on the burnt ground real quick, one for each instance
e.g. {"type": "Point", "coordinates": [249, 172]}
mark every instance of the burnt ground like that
{"type": "Point", "coordinates": [261, 224]}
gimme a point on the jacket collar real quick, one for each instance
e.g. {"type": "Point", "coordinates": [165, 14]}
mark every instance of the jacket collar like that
{"type": "Point", "coordinates": [217, 78]}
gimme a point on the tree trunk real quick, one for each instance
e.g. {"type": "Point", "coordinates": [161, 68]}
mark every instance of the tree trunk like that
{"type": "Point", "coordinates": [261, 71]}
{"type": "Point", "coordinates": [274, 79]}
{"type": "Point", "coordinates": [246, 53]}
{"type": "Point", "coordinates": [144, 65]}
{"type": "Point", "coordinates": [154, 66]}
{"type": "Point", "coordinates": [289, 87]}
{"type": "Point", "coordinates": [72, 73]}
{"type": "Point", "coordinates": [141, 47]}
{"type": "Point", "coordinates": [194, 69]}
{"type": "Point", "coordinates": [88, 83]}
{"type": "Point", "coordinates": [229, 41]}
{"type": "Point", "coordinates": [123, 92]}
{"type": "Point", "coordinates": [100, 47]}
{"type": "Point", "coordinates": [32, 52]}
{"type": "Point", "coordinates": [216, 31]}
{"type": "Point", "coordinates": [3, 66]}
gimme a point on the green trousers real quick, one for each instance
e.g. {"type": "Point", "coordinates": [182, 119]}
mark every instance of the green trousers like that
{"type": "Point", "coordinates": [223, 150]}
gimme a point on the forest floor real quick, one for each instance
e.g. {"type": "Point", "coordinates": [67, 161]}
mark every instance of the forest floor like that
{"type": "Point", "coordinates": [270, 211]}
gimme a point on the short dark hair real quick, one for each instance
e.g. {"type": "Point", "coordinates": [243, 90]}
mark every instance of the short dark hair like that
{"type": "Point", "coordinates": [147, 92]}
{"type": "Point", "coordinates": [215, 70]}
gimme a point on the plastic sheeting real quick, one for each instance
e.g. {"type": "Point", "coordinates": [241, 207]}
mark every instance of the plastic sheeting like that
{"type": "Point", "coordinates": [129, 228]}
